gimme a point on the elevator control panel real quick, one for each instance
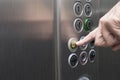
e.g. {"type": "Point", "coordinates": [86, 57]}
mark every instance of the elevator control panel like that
{"type": "Point", "coordinates": [84, 21]}
{"type": "Point", "coordinates": [78, 19]}
{"type": "Point", "coordinates": [82, 24]}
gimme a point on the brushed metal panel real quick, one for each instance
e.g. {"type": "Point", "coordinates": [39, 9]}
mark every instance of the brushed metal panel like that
{"type": "Point", "coordinates": [108, 59]}
{"type": "Point", "coordinates": [26, 40]}
{"type": "Point", "coordinates": [67, 31]}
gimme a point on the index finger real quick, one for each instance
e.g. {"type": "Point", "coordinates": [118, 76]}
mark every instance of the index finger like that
{"type": "Point", "coordinates": [90, 37]}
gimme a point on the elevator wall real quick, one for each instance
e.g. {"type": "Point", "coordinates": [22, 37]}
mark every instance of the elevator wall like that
{"type": "Point", "coordinates": [26, 40]}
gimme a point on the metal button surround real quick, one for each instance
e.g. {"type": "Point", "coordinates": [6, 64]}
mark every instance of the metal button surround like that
{"type": "Point", "coordinates": [88, 0]}
{"type": "Point", "coordinates": [78, 25]}
{"type": "Point", "coordinates": [83, 78]}
{"type": "Point", "coordinates": [88, 24]}
{"type": "Point", "coordinates": [88, 9]}
{"type": "Point", "coordinates": [83, 57]}
{"type": "Point", "coordinates": [73, 60]}
{"type": "Point", "coordinates": [92, 54]}
{"type": "Point", "coordinates": [83, 47]}
{"type": "Point", "coordinates": [78, 9]}
{"type": "Point", "coordinates": [72, 44]}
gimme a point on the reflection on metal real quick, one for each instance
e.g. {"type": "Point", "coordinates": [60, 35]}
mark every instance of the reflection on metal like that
{"type": "Point", "coordinates": [31, 10]}
{"type": "Point", "coordinates": [26, 40]}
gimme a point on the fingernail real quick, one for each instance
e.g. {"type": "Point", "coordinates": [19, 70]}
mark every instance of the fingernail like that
{"type": "Point", "coordinates": [77, 43]}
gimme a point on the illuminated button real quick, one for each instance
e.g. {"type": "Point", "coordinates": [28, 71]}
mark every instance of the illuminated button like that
{"type": "Point", "coordinates": [78, 9]}
{"type": "Point", "coordinates": [83, 47]}
{"type": "Point", "coordinates": [83, 58]}
{"type": "Point", "coordinates": [72, 44]}
{"type": "Point", "coordinates": [73, 60]}
{"type": "Point", "coordinates": [88, 24]}
{"type": "Point", "coordinates": [92, 55]}
{"type": "Point", "coordinates": [88, 9]}
{"type": "Point", "coordinates": [84, 78]}
{"type": "Point", "coordinates": [78, 25]}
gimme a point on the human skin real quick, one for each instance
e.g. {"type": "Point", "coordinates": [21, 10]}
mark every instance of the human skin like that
{"type": "Point", "coordinates": [107, 34]}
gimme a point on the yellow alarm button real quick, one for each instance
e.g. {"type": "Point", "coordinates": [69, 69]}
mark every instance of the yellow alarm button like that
{"type": "Point", "coordinates": [72, 44]}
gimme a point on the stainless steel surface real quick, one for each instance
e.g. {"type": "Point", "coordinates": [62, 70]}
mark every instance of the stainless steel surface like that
{"type": "Point", "coordinates": [26, 40]}
{"type": "Point", "coordinates": [109, 61]}
{"type": "Point", "coordinates": [67, 31]}
{"type": "Point", "coordinates": [107, 68]}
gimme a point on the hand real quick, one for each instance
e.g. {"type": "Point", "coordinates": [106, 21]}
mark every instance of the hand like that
{"type": "Point", "coordinates": [107, 34]}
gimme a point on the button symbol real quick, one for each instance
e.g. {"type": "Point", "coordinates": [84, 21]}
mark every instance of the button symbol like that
{"type": "Point", "coordinates": [78, 9]}
{"type": "Point", "coordinates": [88, 9]}
{"type": "Point", "coordinates": [88, 23]}
{"type": "Point", "coordinates": [83, 57]}
{"type": "Point", "coordinates": [92, 55]}
{"type": "Point", "coordinates": [78, 25]}
{"type": "Point", "coordinates": [73, 60]}
{"type": "Point", "coordinates": [73, 45]}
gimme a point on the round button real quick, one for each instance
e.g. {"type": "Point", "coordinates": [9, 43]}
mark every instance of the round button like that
{"type": "Point", "coordinates": [83, 78]}
{"type": "Point", "coordinates": [88, 23]}
{"type": "Point", "coordinates": [88, 9]}
{"type": "Point", "coordinates": [92, 55]}
{"type": "Point", "coordinates": [83, 58]}
{"type": "Point", "coordinates": [78, 9]}
{"type": "Point", "coordinates": [72, 44]}
{"type": "Point", "coordinates": [73, 60]}
{"type": "Point", "coordinates": [88, 0]}
{"type": "Point", "coordinates": [78, 25]}
{"type": "Point", "coordinates": [83, 47]}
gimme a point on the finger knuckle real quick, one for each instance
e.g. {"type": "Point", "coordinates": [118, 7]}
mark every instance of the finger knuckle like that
{"type": "Point", "coordinates": [103, 21]}
{"type": "Point", "coordinates": [97, 43]}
